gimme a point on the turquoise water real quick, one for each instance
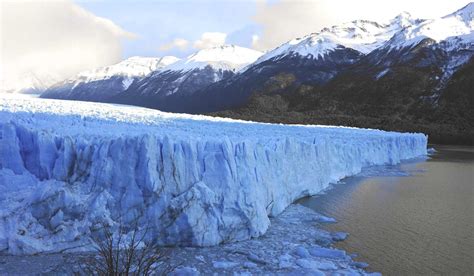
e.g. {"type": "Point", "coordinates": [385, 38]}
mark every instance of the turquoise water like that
{"type": "Point", "coordinates": [414, 218]}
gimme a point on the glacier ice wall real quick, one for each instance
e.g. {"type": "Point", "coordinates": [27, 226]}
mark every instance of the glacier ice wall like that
{"type": "Point", "coordinates": [194, 180]}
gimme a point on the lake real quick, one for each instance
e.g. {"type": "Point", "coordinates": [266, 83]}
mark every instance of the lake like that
{"type": "Point", "coordinates": [413, 218]}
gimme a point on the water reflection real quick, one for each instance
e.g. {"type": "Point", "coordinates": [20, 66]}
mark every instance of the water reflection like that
{"type": "Point", "coordinates": [416, 218]}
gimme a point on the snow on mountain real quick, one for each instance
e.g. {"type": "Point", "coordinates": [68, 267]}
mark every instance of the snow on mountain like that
{"type": "Point", "coordinates": [226, 57]}
{"type": "Point", "coordinates": [455, 30]}
{"type": "Point", "coordinates": [130, 68]}
{"type": "Point", "coordinates": [466, 13]}
{"type": "Point", "coordinates": [187, 76]}
{"type": "Point", "coordinates": [360, 35]}
{"type": "Point", "coordinates": [102, 83]}
{"type": "Point", "coordinates": [66, 167]}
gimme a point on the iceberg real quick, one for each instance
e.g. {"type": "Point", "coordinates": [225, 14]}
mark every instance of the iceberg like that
{"type": "Point", "coordinates": [193, 180]}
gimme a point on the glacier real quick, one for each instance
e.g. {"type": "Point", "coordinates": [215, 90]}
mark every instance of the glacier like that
{"type": "Point", "coordinates": [194, 180]}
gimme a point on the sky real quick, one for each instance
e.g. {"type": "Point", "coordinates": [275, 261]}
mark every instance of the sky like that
{"type": "Point", "coordinates": [54, 39]}
{"type": "Point", "coordinates": [174, 27]}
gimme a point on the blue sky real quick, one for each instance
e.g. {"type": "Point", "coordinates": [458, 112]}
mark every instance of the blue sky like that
{"type": "Point", "coordinates": [159, 22]}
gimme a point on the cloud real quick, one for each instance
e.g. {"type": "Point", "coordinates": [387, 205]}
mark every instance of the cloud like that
{"type": "Point", "coordinates": [288, 19]}
{"type": "Point", "coordinates": [244, 36]}
{"type": "Point", "coordinates": [46, 41]}
{"type": "Point", "coordinates": [180, 43]}
{"type": "Point", "coordinates": [255, 40]}
{"type": "Point", "coordinates": [209, 40]}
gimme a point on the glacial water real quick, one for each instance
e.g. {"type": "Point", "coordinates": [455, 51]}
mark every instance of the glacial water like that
{"type": "Point", "coordinates": [413, 218]}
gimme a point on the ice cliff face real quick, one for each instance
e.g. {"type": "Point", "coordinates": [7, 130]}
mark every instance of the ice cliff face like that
{"type": "Point", "coordinates": [195, 180]}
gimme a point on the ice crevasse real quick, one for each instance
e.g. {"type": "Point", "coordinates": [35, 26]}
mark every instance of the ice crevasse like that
{"type": "Point", "coordinates": [193, 180]}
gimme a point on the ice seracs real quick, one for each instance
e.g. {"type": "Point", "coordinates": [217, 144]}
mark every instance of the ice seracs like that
{"type": "Point", "coordinates": [194, 180]}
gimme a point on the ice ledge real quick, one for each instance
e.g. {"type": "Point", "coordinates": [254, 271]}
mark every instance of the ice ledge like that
{"type": "Point", "coordinates": [55, 185]}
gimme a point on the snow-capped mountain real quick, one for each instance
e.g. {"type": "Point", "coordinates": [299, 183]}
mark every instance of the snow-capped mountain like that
{"type": "Point", "coordinates": [441, 46]}
{"type": "Point", "coordinates": [314, 59]}
{"type": "Point", "coordinates": [102, 83]}
{"type": "Point", "coordinates": [455, 30]}
{"type": "Point", "coordinates": [226, 58]}
{"type": "Point", "coordinates": [186, 76]}
{"type": "Point", "coordinates": [129, 68]}
{"type": "Point", "coordinates": [360, 35]}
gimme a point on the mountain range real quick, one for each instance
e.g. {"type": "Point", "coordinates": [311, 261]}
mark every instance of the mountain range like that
{"type": "Point", "coordinates": [405, 74]}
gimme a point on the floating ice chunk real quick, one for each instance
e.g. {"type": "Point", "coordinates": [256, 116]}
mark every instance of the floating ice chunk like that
{"type": "Point", "coordinates": [200, 258]}
{"type": "Point", "coordinates": [316, 265]}
{"type": "Point", "coordinates": [256, 259]}
{"type": "Point", "coordinates": [224, 264]}
{"type": "Point", "coordinates": [249, 265]}
{"type": "Point", "coordinates": [302, 252]}
{"type": "Point", "coordinates": [285, 261]}
{"type": "Point", "coordinates": [339, 236]}
{"type": "Point", "coordinates": [323, 241]}
{"type": "Point", "coordinates": [360, 264]}
{"type": "Point", "coordinates": [323, 219]}
{"type": "Point", "coordinates": [327, 253]}
{"type": "Point", "coordinates": [325, 265]}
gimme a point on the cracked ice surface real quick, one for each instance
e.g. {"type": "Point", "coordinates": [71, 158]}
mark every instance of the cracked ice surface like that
{"type": "Point", "coordinates": [195, 180]}
{"type": "Point", "coordinates": [283, 250]}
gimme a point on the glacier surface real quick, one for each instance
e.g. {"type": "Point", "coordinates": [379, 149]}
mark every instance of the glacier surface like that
{"type": "Point", "coordinates": [194, 180]}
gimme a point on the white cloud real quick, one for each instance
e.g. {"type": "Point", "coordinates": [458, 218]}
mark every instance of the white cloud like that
{"type": "Point", "coordinates": [210, 39]}
{"type": "Point", "coordinates": [255, 40]}
{"type": "Point", "coordinates": [46, 40]}
{"type": "Point", "coordinates": [288, 19]}
{"type": "Point", "coordinates": [180, 43]}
